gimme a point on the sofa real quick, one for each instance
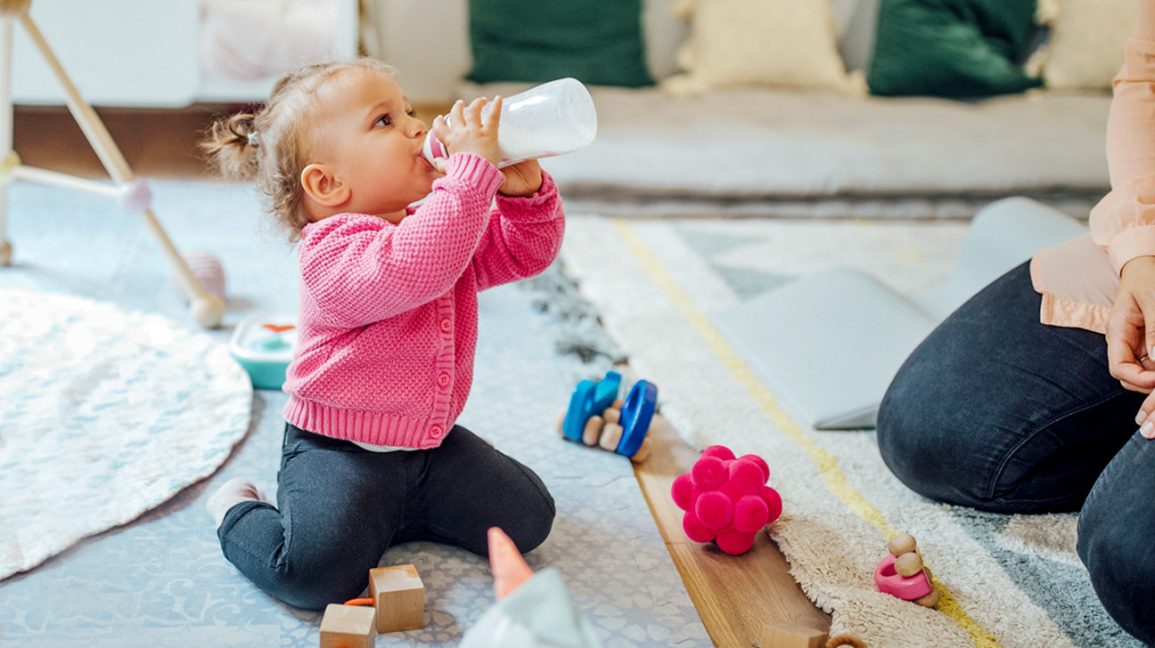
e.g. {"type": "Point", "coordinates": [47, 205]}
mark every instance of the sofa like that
{"type": "Point", "coordinates": [774, 151]}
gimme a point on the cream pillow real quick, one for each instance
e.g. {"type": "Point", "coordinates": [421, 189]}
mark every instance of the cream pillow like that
{"type": "Point", "coordinates": [790, 43]}
{"type": "Point", "coordinates": [1085, 50]}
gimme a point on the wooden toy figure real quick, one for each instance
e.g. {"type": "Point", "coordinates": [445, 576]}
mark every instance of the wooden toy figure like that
{"type": "Point", "coordinates": [596, 417]}
{"type": "Point", "coordinates": [902, 573]}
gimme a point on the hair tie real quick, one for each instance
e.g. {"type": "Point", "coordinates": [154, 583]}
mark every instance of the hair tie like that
{"type": "Point", "coordinates": [253, 139]}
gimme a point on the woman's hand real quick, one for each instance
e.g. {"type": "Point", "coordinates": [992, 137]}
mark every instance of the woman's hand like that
{"type": "Point", "coordinates": [465, 132]}
{"type": "Point", "coordinates": [1131, 336]}
{"type": "Point", "coordinates": [522, 179]}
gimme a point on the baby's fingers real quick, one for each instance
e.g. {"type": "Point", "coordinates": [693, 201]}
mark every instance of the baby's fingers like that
{"type": "Point", "coordinates": [494, 120]}
{"type": "Point", "coordinates": [439, 129]}
{"type": "Point", "coordinates": [457, 113]}
{"type": "Point", "coordinates": [473, 113]}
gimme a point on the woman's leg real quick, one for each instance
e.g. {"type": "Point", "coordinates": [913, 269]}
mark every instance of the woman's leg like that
{"type": "Point", "coordinates": [999, 412]}
{"type": "Point", "coordinates": [1117, 537]}
{"type": "Point", "coordinates": [466, 486]}
{"type": "Point", "coordinates": [338, 507]}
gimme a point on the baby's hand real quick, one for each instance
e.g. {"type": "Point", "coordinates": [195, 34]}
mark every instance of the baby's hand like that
{"type": "Point", "coordinates": [522, 179]}
{"type": "Point", "coordinates": [464, 131]}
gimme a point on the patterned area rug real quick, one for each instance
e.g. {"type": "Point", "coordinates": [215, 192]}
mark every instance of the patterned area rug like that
{"type": "Point", "coordinates": [162, 581]}
{"type": "Point", "coordinates": [1006, 580]}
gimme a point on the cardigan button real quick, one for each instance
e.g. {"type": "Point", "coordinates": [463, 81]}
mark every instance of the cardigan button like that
{"type": "Point", "coordinates": [443, 379]}
{"type": "Point", "coordinates": [446, 325]}
{"type": "Point", "coordinates": [436, 431]}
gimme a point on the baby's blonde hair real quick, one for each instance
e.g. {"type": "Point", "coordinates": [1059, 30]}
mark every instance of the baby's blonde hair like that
{"type": "Point", "coordinates": [269, 146]}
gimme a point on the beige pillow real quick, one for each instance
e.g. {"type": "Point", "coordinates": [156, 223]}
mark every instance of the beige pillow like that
{"type": "Point", "coordinates": [1085, 50]}
{"type": "Point", "coordinates": [791, 43]}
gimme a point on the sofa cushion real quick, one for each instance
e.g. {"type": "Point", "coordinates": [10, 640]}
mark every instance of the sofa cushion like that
{"type": "Point", "coordinates": [598, 41]}
{"type": "Point", "coordinates": [770, 42]}
{"type": "Point", "coordinates": [1085, 49]}
{"type": "Point", "coordinates": [953, 48]}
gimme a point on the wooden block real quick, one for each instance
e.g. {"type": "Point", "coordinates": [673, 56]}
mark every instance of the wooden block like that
{"type": "Point", "coordinates": [611, 436]}
{"type": "Point", "coordinates": [593, 431]}
{"type": "Point", "coordinates": [399, 596]}
{"type": "Point", "coordinates": [612, 415]}
{"type": "Point", "coordinates": [781, 635]}
{"type": "Point", "coordinates": [348, 626]}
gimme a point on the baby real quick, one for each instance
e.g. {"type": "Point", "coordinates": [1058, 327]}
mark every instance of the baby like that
{"type": "Point", "coordinates": [372, 455]}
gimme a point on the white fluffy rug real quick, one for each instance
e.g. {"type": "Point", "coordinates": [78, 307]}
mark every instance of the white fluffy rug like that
{"type": "Point", "coordinates": [104, 414]}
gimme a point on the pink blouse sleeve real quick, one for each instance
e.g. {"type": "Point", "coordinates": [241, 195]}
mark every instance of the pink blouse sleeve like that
{"type": "Point", "coordinates": [1124, 221]}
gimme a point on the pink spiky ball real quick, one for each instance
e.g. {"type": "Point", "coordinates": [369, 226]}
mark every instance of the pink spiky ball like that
{"type": "Point", "coordinates": [726, 499]}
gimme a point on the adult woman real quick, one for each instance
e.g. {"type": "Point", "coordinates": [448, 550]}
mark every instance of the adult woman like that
{"type": "Point", "coordinates": [1027, 399]}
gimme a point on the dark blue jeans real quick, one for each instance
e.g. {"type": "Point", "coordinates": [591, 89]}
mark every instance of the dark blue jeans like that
{"type": "Point", "coordinates": [339, 507]}
{"type": "Point", "coordinates": [999, 412]}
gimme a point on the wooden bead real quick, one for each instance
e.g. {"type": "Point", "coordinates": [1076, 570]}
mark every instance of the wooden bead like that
{"type": "Point", "coordinates": [930, 600]}
{"type": "Point", "coordinates": [348, 626]}
{"type": "Point", "coordinates": [781, 635]}
{"type": "Point", "coordinates": [593, 431]}
{"type": "Point", "coordinates": [643, 452]}
{"type": "Point", "coordinates": [901, 543]}
{"type": "Point", "coordinates": [561, 424]}
{"type": "Point", "coordinates": [612, 415]}
{"type": "Point", "coordinates": [929, 577]}
{"type": "Point", "coordinates": [618, 404]}
{"type": "Point", "coordinates": [611, 436]}
{"type": "Point", "coordinates": [908, 564]}
{"type": "Point", "coordinates": [399, 596]}
{"type": "Point", "coordinates": [844, 640]}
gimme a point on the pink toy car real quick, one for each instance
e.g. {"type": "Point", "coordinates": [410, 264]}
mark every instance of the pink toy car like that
{"type": "Point", "coordinates": [726, 499]}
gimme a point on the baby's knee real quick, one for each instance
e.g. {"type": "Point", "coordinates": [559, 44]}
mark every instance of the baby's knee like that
{"type": "Point", "coordinates": [534, 523]}
{"type": "Point", "coordinates": [312, 582]}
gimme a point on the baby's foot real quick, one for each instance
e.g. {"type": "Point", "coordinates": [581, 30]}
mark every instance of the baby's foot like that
{"type": "Point", "coordinates": [509, 569]}
{"type": "Point", "coordinates": [231, 493]}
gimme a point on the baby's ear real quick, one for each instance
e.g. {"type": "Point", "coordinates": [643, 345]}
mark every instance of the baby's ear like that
{"type": "Point", "coordinates": [323, 186]}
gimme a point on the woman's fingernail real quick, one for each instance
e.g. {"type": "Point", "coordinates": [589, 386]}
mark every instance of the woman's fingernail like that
{"type": "Point", "coordinates": [1140, 417]}
{"type": "Point", "coordinates": [1147, 430]}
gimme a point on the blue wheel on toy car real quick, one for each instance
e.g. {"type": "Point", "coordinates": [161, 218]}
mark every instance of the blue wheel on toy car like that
{"type": "Point", "coordinates": [637, 414]}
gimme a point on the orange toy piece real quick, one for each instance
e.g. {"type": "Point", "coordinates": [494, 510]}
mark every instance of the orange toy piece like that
{"type": "Point", "coordinates": [399, 596]}
{"type": "Point", "coordinates": [348, 626]}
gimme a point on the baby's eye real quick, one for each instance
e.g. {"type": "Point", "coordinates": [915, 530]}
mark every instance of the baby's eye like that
{"type": "Point", "coordinates": [411, 112]}
{"type": "Point", "coordinates": [383, 120]}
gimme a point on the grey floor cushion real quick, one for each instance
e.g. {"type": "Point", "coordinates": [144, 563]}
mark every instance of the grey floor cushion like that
{"type": "Point", "coordinates": [832, 342]}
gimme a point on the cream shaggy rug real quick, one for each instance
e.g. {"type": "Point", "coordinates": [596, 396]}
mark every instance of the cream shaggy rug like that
{"type": "Point", "coordinates": [104, 414]}
{"type": "Point", "coordinates": [1006, 580]}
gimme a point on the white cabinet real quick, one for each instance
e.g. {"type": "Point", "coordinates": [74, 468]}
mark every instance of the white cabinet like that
{"type": "Point", "coordinates": [139, 53]}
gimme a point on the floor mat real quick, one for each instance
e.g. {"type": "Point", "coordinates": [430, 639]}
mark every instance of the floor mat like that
{"type": "Point", "coordinates": [162, 581]}
{"type": "Point", "coordinates": [1007, 580]}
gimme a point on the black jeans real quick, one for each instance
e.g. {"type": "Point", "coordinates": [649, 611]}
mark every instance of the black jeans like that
{"type": "Point", "coordinates": [339, 507]}
{"type": "Point", "coordinates": [997, 411]}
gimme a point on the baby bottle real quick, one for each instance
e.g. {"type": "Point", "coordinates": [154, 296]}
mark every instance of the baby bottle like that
{"type": "Point", "coordinates": [549, 119]}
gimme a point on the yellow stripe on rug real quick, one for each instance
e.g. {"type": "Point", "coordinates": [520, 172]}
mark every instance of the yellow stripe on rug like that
{"type": "Point", "coordinates": [827, 464]}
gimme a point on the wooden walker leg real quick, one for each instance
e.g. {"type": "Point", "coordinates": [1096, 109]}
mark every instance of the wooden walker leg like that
{"type": "Point", "coordinates": [205, 307]}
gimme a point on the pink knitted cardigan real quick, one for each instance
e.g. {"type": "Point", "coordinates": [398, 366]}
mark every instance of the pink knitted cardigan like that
{"type": "Point", "coordinates": [388, 319]}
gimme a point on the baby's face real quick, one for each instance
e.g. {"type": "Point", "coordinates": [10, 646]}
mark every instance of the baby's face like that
{"type": "Point", "coordinates": [367, 134]}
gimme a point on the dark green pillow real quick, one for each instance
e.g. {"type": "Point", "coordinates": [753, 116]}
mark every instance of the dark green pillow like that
{"type": "Point", "coordinates": [595, 41]}
{"type": "Point", "coordinates": [953, 48]}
